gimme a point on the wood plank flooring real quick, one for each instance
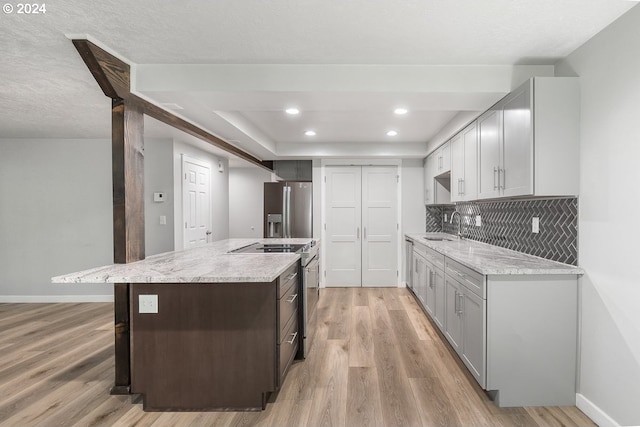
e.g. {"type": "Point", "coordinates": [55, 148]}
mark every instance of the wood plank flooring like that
{"type": "Point", "coordinates": [376, 361]}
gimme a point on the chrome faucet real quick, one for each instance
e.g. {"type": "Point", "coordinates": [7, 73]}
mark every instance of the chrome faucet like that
{"type": "Point", "coordinates": [459, 221]}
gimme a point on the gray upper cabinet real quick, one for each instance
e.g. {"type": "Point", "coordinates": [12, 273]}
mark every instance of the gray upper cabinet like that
{"type": "Point", "coordinates": [464, 164]}
{"type": "Point", "coordinates": [437, 168]}
{"type": "Point", "coordinates": [443, 158]}
{"type": "Point", "coordinates": [489, 143]}
{"type": "Point", "coordinates": [528, 141]}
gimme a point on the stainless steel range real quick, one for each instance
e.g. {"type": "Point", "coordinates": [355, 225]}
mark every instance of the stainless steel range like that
{"type": "Point", "coordinates": [310, 285]}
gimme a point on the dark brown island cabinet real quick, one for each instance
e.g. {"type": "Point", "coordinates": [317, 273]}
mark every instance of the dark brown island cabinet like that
{"type": "Point", "coordinates": [214, 346]}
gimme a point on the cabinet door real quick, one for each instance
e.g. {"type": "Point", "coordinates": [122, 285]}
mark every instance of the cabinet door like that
{"type": "Point", "coordinates": [457, 167]}
{"type": "Point", "coordinates": [517, 171]}
{"type": "Point", "coordinates": [430, 291]}
{"type": "Point", "coordinates": [430, 171]}
{"type": "Point", "coordinates": [439, 298]}
{"type": "Point", "coordinates": [420, 282]}
{"type": "Point", "coordinates": [469, 183]}
{"type": "Point", "coordinates": [473, 336]}
{"type": "Point", "coordinates": [453, 322]}
{"type": "Point", "coordinates": [489, 141]}
{"type": "Point", "coordinates": [444, 164]}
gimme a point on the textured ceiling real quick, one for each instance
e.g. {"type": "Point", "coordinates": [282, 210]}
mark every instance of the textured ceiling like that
{"type": "Point", "coordinates": [46, 90]}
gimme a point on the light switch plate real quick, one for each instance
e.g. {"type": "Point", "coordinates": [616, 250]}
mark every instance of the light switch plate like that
{"type": "Point", "coordinates": [446, 218]}
{"type": "Point", "coordinates": [163, 220]}
{"type": "Point", "coordinates": [535, 224]}
{"type": "Point", "coordinates": [478, 221]}
{"type": "Point", "coordinates": [147, 303]}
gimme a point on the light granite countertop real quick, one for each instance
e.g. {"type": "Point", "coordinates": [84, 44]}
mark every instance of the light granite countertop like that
{"type": "Point", "coordinates": [488, 259]}
{"type": "Point", "coordinates": [206, 264]}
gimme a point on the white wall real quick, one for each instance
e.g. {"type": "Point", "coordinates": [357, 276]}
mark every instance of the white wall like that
{"type": "Point", "coordinates": [219, 191]}
{"type": "Point", "coordinates": [158, 177]}
{"type": "Point", "coordinates": [246, 194]}
{"type": "Point", "coordinates": [55, 217]}
{"type": "Point", "coordinates": [609, 70]}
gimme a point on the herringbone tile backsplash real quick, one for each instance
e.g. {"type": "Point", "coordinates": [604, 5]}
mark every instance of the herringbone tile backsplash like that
{"type": "Point", "coordinates": [508, 224]}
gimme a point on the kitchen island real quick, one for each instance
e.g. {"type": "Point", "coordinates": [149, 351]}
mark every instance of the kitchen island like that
{"type": "Point", "coordinates": [203, 329]}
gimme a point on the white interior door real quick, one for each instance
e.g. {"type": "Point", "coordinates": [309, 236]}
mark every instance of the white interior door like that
{"type": "Point", "coordinates": [361, 226]}
{"type": "Point", "coordinates": [196, 202]}
{"type": "Point", "coordinates": [379, 226]}
{"type": "Point", "coordinates": [343, 226]}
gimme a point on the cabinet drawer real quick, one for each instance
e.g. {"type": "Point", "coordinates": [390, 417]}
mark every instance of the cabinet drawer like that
{"type": "Point", "coordinates": [436, 258]}
{"type": "Point", "coordinates": [287, 348]}
{"type": "Point", "coordinates": [468, 277]}
{"type": "Point", "coordinates": [287, 279]}
{"type": "Point", "coordinates": [287, 306]}
{"type": "Point", "coordinates": [431, 255]}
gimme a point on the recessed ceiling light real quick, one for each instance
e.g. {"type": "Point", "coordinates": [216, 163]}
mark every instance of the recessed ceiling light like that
{"type": "Point", "coordinates": [292, 111]}
{"type": "Point", "coordinates": [400, 111]}
{"type": "Point", "coordinates": [392, 133]}
{"type": "Point", "coordinates": [310, 133]}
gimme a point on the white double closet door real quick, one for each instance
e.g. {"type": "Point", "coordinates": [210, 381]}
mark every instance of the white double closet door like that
{"type": "Point", "coordinates": [361, 212]}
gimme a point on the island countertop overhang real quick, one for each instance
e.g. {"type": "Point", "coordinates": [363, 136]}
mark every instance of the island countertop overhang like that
{"type": "Point", "coordinates": [211, 263]}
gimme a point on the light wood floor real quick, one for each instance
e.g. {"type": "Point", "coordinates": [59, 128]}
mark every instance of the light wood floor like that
{"type": "Point", "coordinates": [376, 361]}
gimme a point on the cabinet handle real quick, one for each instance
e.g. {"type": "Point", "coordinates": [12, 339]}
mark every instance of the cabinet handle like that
{"type": "Point", "coordinates": [293, 298]}
{"type": "Point", "coordinates": [431, 279]}
{"type": "Point", "coordinates": [504, 178]}
{"type": "Point", "coordinates": [455, 302]}
{"type": "Point", "coordinates": [495, 170]}
{"type": "Point", "coordinates": [462, 186]}
{"type": "Point", "coordinates": [364, 234]}
{"type": "Point", "coordinates": [292, 276]}
{"type": "Point", "coordinates": [358, 233]}
{"type": "Point", "coordinates": [293, 338]}
{"type": "Point", "coordinates": [460, 302]}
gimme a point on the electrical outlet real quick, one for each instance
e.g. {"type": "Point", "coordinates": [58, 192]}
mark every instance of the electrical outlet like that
{"type": "Point", "coordinates": [147, 303]}
{"type": "Point", "coordinates": [163, 220]}
{"type": "Point", "coordinates": [478, 221]}
{"type": "Point", "coordinates": [446, 218]}
{"type": "Point", "coordinates": [535, 224]}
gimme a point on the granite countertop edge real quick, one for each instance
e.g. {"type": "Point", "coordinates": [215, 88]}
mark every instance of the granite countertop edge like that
{"type": "Point", "coordinates": [492, 260]}
{"type": "Point", "coordinates": [211, 263]}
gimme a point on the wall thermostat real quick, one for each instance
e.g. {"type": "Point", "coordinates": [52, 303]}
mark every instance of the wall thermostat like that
{"type": "Point", "coordinates": [158, 197]}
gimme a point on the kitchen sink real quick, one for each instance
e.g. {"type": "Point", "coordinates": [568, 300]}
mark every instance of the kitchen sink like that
{"type": "Point", "coordinates": [440, 238]}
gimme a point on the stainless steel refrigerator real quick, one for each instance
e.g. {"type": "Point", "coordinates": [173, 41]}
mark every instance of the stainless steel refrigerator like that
{"type": "Point", "coordinates": [288, 208]}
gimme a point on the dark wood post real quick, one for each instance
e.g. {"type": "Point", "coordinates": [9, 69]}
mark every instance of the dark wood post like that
{"type": "Point", "coordinates": [128, 221]}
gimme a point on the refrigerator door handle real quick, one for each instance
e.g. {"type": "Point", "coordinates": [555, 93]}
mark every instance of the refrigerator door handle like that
{"type": "Point", "coordinates": [284, 212]}
{"type": "Point", "coordinates": [288, 232]}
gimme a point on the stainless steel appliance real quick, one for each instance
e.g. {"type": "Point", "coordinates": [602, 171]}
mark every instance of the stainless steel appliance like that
{"type": "Point", "coordinates": [309, 286]}
{"type": "Point", "coordinates": [288, 209]}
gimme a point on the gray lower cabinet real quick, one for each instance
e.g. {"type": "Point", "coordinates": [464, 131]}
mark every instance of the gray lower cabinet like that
{"type": "Point", "coordinates": [429, 286]}
{"type": "Point", "coordinates": [516, 334]}
{"type": "Point", "coordinates": [453, 323]}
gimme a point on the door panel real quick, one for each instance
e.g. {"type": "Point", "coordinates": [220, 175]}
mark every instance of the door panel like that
{"type": "Point", "coordinates": [473, 347]}
{"type": "Point", "coordinates": [196, 202]}
{"type": "Point", "coordinates": [453, 322]}
{"type": "Point", "coordinates": [380, 226]}
{"type": "Point", "coordinates": [489, 141]}
{"type": "Point", "coordinates": [517, 177]}
{"type": "Point", "coordinates": [343, 234]}
{"type": "Point", "coordinates": [362, 226]}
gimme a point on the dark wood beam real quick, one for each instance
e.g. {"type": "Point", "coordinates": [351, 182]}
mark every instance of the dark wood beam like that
{"type": "Point", "coordinates": [127, 154]}
{"type": "Point", "coordinates": [113, 77]}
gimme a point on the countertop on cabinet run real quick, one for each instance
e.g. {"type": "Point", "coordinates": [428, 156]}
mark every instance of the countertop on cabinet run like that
{"type": "Point", "coordinates": [488, 259]}
{"type": "Point", "coordinates": [210, 263]}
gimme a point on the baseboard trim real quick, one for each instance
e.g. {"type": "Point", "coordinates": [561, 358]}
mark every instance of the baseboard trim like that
{"type": "Point", "coordinates": [36, 299]}
{"type": "Point", "coordinates": [596, 414]}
